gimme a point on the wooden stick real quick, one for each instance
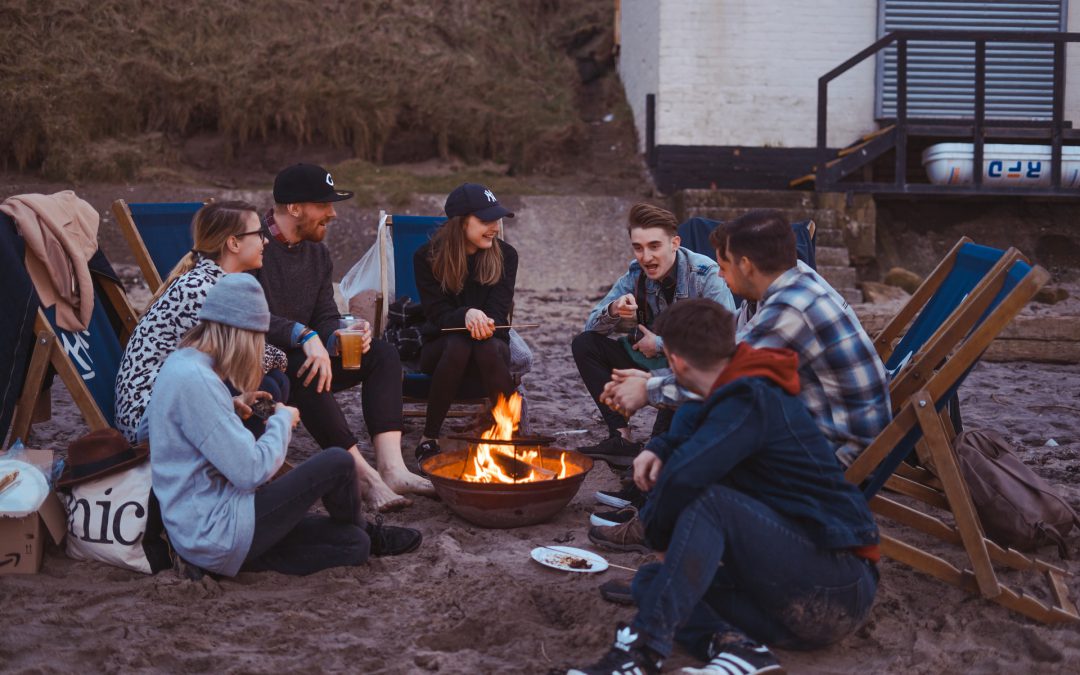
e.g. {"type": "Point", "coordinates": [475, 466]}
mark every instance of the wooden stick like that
{"type": "Point", "coordinates": [610, 564]}
{"type": "Point", "coordinates": [8, 480]}
{"type": "Point", "coordinates": [519, 325]}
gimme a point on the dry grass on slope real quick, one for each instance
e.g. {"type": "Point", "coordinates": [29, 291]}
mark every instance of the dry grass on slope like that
{"type": "Point", "coordinates": [96, 88]}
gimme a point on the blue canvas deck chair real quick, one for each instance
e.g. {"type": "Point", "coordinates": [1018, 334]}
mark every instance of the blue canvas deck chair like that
{"type": "Point", "coordinates": [406, 234]}
{"type": "Point", "coordinates": [937, 369]}
{"type": "Point", "coordinates": [158, 234]}
{"type": "Point", "coordinates": [86, 361]}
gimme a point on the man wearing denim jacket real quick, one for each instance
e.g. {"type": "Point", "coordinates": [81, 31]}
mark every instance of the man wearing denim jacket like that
{"type": "Point", "coordinates": [765, 540]}
{"type": "Point", "coordinates": [662, 274]}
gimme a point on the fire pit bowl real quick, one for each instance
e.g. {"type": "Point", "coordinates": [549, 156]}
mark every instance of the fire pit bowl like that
{"type": "Point", "coordinates": [506, 505]}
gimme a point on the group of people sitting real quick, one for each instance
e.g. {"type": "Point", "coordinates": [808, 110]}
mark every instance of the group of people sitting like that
{"type": "Point", "coordinates": [741, 483]}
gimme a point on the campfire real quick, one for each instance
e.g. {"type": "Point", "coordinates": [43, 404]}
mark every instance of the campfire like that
{"type": "Point", "coordinates": [501, 480]}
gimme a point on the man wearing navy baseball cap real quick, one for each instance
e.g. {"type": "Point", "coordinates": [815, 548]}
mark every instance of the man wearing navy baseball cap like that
{"type": "Point", "coordinates": [296, 278]}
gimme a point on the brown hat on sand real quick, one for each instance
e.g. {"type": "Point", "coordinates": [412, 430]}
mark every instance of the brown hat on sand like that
{"type": "Point", "coordinates": [98, 454]}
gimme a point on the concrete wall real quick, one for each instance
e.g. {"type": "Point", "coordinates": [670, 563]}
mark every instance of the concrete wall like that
{"type": "Point", "coordinates": [639, 28]}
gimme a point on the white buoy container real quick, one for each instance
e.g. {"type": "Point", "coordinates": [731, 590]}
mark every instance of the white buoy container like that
{"type": "Point", "coordinates": [1004, 165]}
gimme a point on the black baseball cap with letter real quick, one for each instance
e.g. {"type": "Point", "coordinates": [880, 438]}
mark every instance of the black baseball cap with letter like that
{"type": "Point", "coordinates": [471, 199]}
{"type": "Point", "coordinates": [301, 183]}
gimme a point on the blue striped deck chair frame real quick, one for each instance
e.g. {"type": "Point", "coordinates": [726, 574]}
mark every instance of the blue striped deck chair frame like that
{"type": "Point", "coordinates": [946, 359]}
{"type": "Point", "coordinates": [158, 234]}
{"type": "Point", "coordinates": [409, 233]}
{"type": "Point", "coordinates": [86, 361]}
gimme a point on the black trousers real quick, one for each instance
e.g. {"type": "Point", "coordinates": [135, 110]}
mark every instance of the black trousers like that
{"type": "Point", "coordinates": [380, 398]}
{"type": "Point", "coordinates": [596, 356]}
{"type": "Point", "coordinates": [450, 359]}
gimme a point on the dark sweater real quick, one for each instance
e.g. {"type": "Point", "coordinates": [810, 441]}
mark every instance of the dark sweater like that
{"type": "Point", "coordinates": [298, 287]}
{"type": "Point", "coordinates": [443, 310]}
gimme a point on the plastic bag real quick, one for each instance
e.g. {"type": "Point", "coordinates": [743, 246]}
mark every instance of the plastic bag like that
{"type": "Point", "coordinates": [362, 284]}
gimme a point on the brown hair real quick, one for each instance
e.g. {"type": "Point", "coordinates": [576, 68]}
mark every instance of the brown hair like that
{"type": "Point", "coordinates": [450, 264]}
{"type": "Point", "coordinates": [644, 215]}
{"type": "Point", "coordinates": [236, 353]}
{"type": "Point", "coordinates": [763, 236]}
{"type": "Point", "coordinates": [210, 229]}
{"type": "Point", "coordinates": [698, 330]}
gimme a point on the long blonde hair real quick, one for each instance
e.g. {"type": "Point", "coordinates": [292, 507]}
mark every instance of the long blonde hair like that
{"type": "Point", "coordinates": [450, 264]}
{"type": "Point", "coordinates": [236, 353]}
{"type": "Point", "coordinates": [210, 229]}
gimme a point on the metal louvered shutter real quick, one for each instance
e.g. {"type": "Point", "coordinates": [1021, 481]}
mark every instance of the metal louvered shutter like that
{"type": "Point", "coordinates": [941, 75]}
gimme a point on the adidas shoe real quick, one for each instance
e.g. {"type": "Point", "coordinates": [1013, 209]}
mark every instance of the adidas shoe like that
{"type": "Point", "coordinates": [620, 499]}
{"type": "Point", "coordinates": [739, 659]}
{"type": "Point", "coordinates": [627, 656]}
{"type": "Point", "coordinates": [612, 518]}
{"type": "Point", "coordinates": [428, 448]}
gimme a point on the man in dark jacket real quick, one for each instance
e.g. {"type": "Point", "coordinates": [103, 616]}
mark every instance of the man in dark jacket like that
{"type": "Point", "coordinates": [765, 540]}
{"type": "Point", "coordinates": [296, 278]}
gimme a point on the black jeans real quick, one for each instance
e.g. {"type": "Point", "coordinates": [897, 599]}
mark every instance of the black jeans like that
{"type": "Point", "coordinates": [380, 397]}
{"type": "Point", "coordinates": [289, 540]}
{"type": "Point", "coordinates": [596, 356]}
{"type": "Point", "coordinates": [450, 359]}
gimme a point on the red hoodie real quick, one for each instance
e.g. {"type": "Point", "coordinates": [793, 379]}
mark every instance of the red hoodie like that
{"type": "Point", "coordinates": [780, 366]}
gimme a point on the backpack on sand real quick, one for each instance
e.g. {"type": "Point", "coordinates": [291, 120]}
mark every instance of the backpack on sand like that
{"type": "Point", "coordinates": [1017, 508]}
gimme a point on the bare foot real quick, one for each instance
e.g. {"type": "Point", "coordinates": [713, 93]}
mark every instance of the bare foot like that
{"type": "Point", "coordinates": [379, 496]}
{"type": "Point", "coordinates": [403, 480]}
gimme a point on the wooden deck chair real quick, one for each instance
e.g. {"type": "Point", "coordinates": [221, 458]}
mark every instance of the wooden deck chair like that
{"type": "Point", "coordinates": [87, 361]}
{"type": "Point", "coordinates": [407, 234]}
{"type": "Point", "coordinates": [943, 363]}
{"type": "Point", "coordinates": [158, 234]}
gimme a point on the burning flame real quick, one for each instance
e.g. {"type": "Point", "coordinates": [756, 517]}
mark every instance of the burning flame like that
{"type": "Point", "coordinates": [496, 463]}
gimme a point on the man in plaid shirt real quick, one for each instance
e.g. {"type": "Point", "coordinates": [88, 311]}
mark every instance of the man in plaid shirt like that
{"type": "Point", "coordinates": [844, 385]}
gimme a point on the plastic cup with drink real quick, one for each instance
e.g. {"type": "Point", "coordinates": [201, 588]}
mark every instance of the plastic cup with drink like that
{"type": "Point", "coordinates": [351, 343]}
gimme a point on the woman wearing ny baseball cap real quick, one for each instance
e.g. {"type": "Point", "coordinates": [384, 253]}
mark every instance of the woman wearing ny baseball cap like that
{"type": "Point", "coordinates": [465, 276]}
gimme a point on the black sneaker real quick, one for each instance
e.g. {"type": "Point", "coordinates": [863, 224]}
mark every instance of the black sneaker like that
{"type": "Point", "coordinates": [618, 452]}
{"type": "Point", "coordinates": [617, 591]}
{"type": "Point", "coordinates": [428, 448]}
{"type": "Point", "coordinates": [392, 540]}
{"type": "Point", "coordinates": [612, 518]}
{"type": "Point", "coordinates": [620, 499]}
{"type": "Point", "coordinates": [628, 656]}
{"type": "Point", "coordinates": [743, 658]}
{"type": "Point", "coordinates": [629, 536]}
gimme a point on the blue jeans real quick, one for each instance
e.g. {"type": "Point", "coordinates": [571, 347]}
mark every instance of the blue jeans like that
{"type": "Point", "coordinates": [738, 568]}
{"type": "Point", "coordinates": [289, 540]}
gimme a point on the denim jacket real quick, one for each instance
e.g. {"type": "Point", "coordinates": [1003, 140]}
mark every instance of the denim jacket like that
{"type": "Point", "coordinates": [697, 276]}
{"type": "Point", "coordinates": [752, 436]}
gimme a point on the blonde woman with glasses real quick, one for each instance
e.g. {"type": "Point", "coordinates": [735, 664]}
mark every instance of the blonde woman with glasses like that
{"type": "Point", "coordinates": [228, 238]}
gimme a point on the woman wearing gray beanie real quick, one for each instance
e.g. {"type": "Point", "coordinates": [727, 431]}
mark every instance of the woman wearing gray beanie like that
{"type": "Point", "coordinates": [211, 475]}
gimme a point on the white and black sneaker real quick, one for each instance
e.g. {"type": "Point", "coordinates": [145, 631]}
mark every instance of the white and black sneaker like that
{"type": "Point", "coordinates": [610, 518]}
{"type": "Point", "coordinates": [739, 659]}
{"type": "Point", "coordinates": [620, 499]}
{"type": "Point", "coordinates": [627, 656]}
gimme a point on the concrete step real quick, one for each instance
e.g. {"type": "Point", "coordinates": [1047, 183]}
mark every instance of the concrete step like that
{"type": "Point", "coordinates": [838, 277]}
{"type": "Point", "coordinates": [832, 256]}
{"type": "Point", "coordinates": [830, 236]}
{"type": "Point", "coordinates": [760, 199]}
{"type": "Point", "coordinates": [823, 218]}
{"type": "Point", "coordinates": [853, 295]}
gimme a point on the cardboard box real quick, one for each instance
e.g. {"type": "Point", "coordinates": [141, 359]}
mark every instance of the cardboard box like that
{"type": "Point", "coordinates": [22, 540]}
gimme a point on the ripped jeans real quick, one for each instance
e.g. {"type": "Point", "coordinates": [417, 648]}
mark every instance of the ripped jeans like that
{"type": "Point", "coordinates": [737, 568]}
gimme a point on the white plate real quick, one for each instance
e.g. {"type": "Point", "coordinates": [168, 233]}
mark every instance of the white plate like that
{"type": "Point", "coordinates": [565, 557]}
{"type": "Point", "coordinates": [28, 492]}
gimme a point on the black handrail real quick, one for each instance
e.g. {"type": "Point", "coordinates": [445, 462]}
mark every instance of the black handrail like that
{"type": "Point", "coordinates": [980, 38]}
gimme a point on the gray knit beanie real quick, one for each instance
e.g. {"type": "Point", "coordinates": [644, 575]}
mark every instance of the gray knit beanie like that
{"type": "Point", "coordinates": [237, 300]}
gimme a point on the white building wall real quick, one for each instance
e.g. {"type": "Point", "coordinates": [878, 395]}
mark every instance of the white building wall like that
{"type": "Point", "coordinates": [744, 72]}
{"type": "Point", "coordinates": [639, 29]}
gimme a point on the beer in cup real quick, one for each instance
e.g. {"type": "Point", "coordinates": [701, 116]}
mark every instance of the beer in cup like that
{"type": "Point", "coordinates": [351, 343]}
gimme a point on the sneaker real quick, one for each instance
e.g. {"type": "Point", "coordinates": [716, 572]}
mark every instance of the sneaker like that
{"type": "Point", "coordinates": [746, 658]}
{"type": "Point", "coordinates": [392, 540]}
{"type": "Point", "coordinates": [612, 518]}
{"type": "Point", "coordinates": [620, 499]}
{"type": "Point", "coordinates": [617, 592]}
{"type": "Point", "coordinates": [630, 536]}
{"type": "Point", "coordinates": [628, 656]}
{"type": "Point", "coordinates": [428, 448]}
{"type": "Point", "coordinates": [618, 452]}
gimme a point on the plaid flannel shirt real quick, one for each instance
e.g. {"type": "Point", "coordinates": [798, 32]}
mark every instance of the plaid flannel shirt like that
{"type": "Point", "coordinates": [843, 382]}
